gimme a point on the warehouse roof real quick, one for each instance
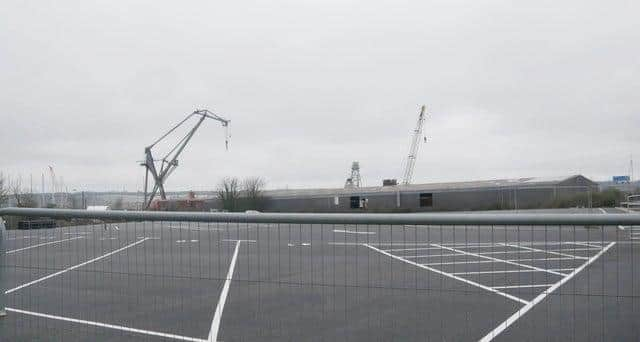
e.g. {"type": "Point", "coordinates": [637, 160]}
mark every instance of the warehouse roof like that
{"type": "Point", "coordinates": [528, 182]}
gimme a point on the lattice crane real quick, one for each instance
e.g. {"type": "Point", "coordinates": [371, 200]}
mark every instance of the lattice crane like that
{"type": "Point", "coordinates": [169, 162]}
{"type": "Point", "coordinates": [413, 150]}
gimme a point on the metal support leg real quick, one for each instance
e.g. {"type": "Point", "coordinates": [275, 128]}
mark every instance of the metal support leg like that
{"type": "Point", "coordinates": [3, 269]}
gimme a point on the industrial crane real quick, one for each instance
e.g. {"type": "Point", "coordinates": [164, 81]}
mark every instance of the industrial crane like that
{"type": "Point", "coordinates": [52, 174]}
{"type": "Point", "coordinates": [170, 161]}
{"type": "Point", "coordinates": [354, 180]}
{"type": "Point", "coordinates": [413, 150]}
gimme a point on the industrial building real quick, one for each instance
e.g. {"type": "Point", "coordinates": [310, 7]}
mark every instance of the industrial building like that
{"type": "Point", "coordinates": [520, 193]}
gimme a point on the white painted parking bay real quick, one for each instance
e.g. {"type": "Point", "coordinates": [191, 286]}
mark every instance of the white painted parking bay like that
{"type": "Point", "coordinates": [506, 259]}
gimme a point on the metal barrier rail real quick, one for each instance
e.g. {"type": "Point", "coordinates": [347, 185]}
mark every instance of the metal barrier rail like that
{"type": "Point", "coordinates": [355, 277]}
{"type": "Point", "coordinates": [309, 218]}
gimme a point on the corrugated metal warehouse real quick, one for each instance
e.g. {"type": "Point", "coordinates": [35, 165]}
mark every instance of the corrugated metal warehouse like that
{"type": "Point", "coordinates": [521, 193]}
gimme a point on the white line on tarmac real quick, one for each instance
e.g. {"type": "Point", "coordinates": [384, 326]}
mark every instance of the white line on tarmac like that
{"type": "Point", "coordinates": [410, 249]}
{"type": "Point", "coordinates": [500, 260]}
{"type": "Point", "coordinates": [469, 245]}
{"type": "Point", "coordinates": [509, 271]}
{"type": "Point", "coordinates": [460, 247]}
{"type": "Point", "coordinates": [575, 249]}
{"type": "Point", "coordinates": [544, 251]}
{"type": "Point", "coordinates": [380, 244]}
{"type": "Point", "coordinates": [502, 252]}
{"type": "Point", "coordinates": [238, 240]}
{"type": "Point", "coordinates": [74, 267]}
{"type": "Point", "coordinates": [196, 229]}
{"type": "Point", "coordinates": [22, 237]}
{"type": "Point", "coordinates": [448, 275]}
{"type": "Point", "coordinates": [588, 244]}
{"type": "Point", "coordinates": [43, 244]}
{"type": "Point", "coordinates": [522, 286]}
{"type": "Point", "coordinates": [108, 326]}
{"type": "Point", "coordinates": [510, 261]}
{"type": "Point", "coordinates": [352, 232]}
{"type": "Point", "coordinates": [427, 256]}
{"type": "Point", "coordinates": [513, 318]}
{"type": "Point", "coordinates": [217, 316]}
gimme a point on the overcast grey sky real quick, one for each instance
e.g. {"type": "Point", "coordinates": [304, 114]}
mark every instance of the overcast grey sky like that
{"type": "Point", "coordinates": [513, 89]}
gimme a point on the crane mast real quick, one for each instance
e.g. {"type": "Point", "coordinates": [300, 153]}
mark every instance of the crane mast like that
{"type": "Point", "coordinates": [413, 150]}
{"type": "Point", "coordinates": [354, 179]}
{"type": "Point", "coordinates": [168, 164]}
{"type": "Point", "coordinates": [53, 190]}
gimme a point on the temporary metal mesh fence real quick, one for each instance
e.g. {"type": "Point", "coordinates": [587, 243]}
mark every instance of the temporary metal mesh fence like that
{"type": "Point", "coordinates": [160, 276]}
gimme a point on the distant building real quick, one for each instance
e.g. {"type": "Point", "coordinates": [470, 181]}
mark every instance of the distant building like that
{"type": "Point", "coordinates": [520, 193]}
{"type": "Point", "coordinates": [191, 203]}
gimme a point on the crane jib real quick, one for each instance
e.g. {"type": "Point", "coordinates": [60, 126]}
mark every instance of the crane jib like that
{"type": "Point", "coordinates": [169, 162]}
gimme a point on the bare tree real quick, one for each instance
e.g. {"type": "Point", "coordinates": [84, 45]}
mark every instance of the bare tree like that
{"type": "Point", "coordinates": [22, 198]}
{"type": "Point", "coordinates": [228, 192]}
{"type": "Point", "coordinates": [4, 191]}
{"type": "Point", "coordinates": [253, 188]}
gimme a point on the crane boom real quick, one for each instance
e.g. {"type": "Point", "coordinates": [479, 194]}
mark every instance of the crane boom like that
{"type": "Point", "coordinates": [169, 162]}
{"type": "Point", "coordinates": [413, 150]}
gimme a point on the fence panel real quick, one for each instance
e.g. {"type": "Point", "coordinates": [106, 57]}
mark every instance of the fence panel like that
{"type": "Point", "coordinates": [118, 276]}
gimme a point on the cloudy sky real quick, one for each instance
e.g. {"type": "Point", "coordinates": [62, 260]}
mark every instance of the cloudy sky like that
{"type": "Point", "coordinates": [540, 88]}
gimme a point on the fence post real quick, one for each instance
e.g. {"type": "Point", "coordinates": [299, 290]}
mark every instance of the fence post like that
{"type": "Point", "coordinates": [3, 270]}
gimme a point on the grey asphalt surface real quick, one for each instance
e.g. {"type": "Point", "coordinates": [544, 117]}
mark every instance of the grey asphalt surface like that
{"type": "Point", "coordinates": [317, 283]}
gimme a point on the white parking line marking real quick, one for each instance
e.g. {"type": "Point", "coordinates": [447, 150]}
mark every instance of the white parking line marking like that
{"type": "Point", "coordinates": [575, 249]}
{"type": "Point", "coordinates": [520, 252]}
{"type": "Point", "coordinates": [522, 286]}
{"type": "Point", "coordinates": [23, 237]}
{"type": "Point", "coordinates": [500, 260]}
{"type": "Point", "coordinates": [74, 267]}
{"type": "Point", "coordinates": [410, 249]}
{"type": "Point", "coordinates": [425, 245]}
{"type": "Point", "coordinates": [428, 255]}
{"type": "Point", "coordinates": [513, 318]}
{"type": "Point", "coordinates": [448, 275]}
{"type": "Point", "coordinates": [353, 232]}
{"type": "Point", "coordinates": [510, 271]}
{"type": "Point", "coordinates": [196, 229]}
{"type": "Point", "coordinates": [42, 244]}
{"type": "Point", "coordinates": [589, 244]}
{"type": "Point", "coordinates": [380, 244]}
{"type": "Point", "coordinates": [217, 316]}
{"type": "Point", "coordinates": [544, 251]}
{"type": "Point", "coordinates": [108, 326]}
{"type": "Point", "coordinates": [509, 261]}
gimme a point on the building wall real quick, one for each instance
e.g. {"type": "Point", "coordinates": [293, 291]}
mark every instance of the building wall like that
{"type": "Point", "coordinates": [452, 200]}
